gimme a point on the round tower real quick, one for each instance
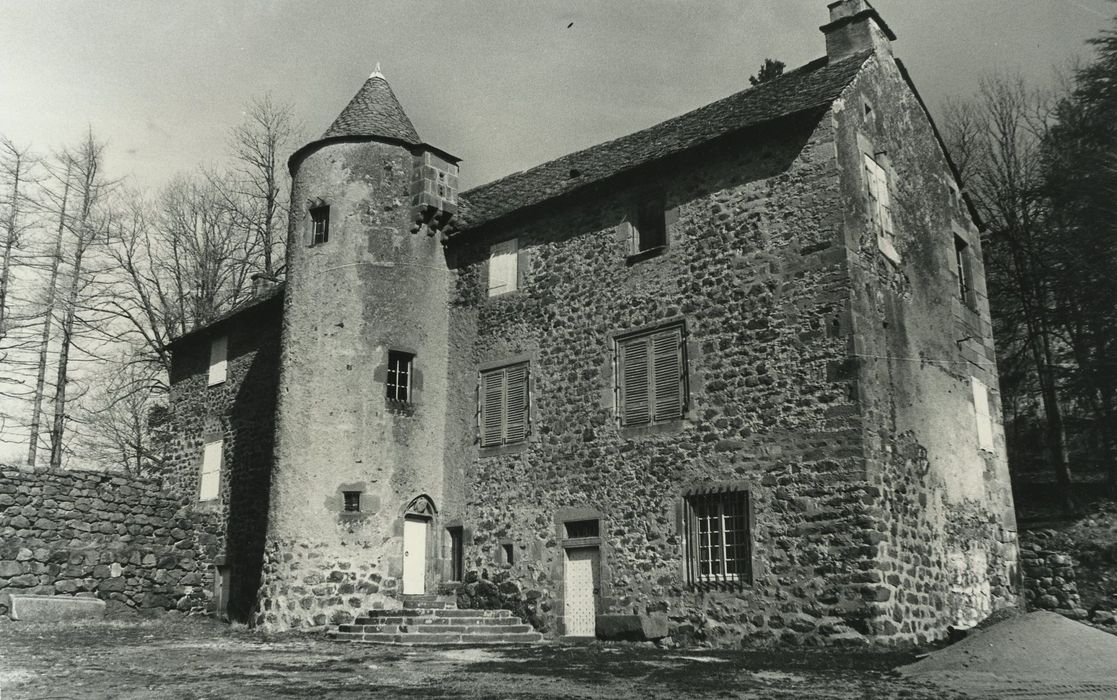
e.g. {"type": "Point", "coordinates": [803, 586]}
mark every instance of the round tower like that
{"type": "Point", "coordinates": [357, 481]}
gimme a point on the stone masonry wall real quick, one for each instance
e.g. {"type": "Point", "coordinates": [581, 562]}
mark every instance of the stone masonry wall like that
{"type": "Point", "coordinates": [754, 269]}
{"type": "Point", "coordinates": [941, 515]}
{"type": "Point", "coordinates": [1049, 581]}
{"type": "Point", "coordinates": [117, 538]}
{"type": "Point", "coordinates": [241, 412]}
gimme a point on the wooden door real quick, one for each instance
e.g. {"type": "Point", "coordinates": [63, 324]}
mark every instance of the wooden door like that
{"type": "Point", "coordinates": [414, 556]}
{"type": "Point", "coordinates": [580, 592]}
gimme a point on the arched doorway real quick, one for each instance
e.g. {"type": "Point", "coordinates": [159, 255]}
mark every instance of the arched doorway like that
{"type": "Point", "coordinates": [416, 534]}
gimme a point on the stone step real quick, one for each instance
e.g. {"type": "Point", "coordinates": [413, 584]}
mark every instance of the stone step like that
{"type": "Point", "coordinates": [435, 629]}
{"type": "Point", "coordinates": [430, 638]}
{"type": "Point", "coordinates": [437, 622]}
{"type": "Point", "coordinates": [429, 602]}
{"type": "Point", "coordinates": [437, 612]}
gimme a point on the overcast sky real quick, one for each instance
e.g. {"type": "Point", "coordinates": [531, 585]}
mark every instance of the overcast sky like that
{"type": "Point", "coordinates": [503, 84]}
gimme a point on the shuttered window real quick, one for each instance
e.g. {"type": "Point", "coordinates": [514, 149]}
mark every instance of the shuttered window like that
{"type": "Point", "coordinates": [880, 201]}
{"type": "Point", "coordinates": [503, 405]}
{"type": "Point", "coordinates": [218, 360]}
{"type": "Point", "coordinates": [651, 374]}
{"type": "Point", "coordinates": [982, 415]}
{"type": "Point", "coordinates": [504, 268]}
{"type": "Point", "coordinates": [719, 537]}
{"type": "Point", "coordinates": [210, 480]}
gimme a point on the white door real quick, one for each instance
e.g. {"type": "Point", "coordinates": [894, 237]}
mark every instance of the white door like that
{"type": "Point", "coordinates": [414, 556]}
{"type": "Point", "coordinates": [581, 585]}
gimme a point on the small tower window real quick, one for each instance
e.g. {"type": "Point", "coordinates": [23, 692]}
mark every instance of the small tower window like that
{"type": "Point", "coordinates": [399, 375]}
{"type": "Point", "coordinates": [319, 225]}
{"type": "Point", "coordinates": [508, 552]}
{"type": "Point", "coordinates": [352, 501]}
{"type": "Point", "coordinates": [962, 269]}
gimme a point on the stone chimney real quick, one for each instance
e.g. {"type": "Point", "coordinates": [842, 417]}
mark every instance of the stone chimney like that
{"type": "Point", "coordinates": [855, 26]}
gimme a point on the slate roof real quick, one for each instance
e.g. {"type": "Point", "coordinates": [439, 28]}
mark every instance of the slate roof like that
{"type": "Point", "coordinates": [374, 111]}
{"type": "Point", "coordinates": [274, 292]}
{"type": "Point", "coordinates": [812, 86]}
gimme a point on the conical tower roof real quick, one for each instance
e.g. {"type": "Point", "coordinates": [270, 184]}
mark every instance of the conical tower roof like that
{"type": "Point", "coordinates": [374, 111]}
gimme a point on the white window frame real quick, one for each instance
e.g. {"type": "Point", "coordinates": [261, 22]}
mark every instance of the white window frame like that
{"type": "Point", "coordinates": [504, 267]}
{"type": "Point", "coordinates": [218, 360]}
{"type": "Point", "coordinates": [983, 417]}
{"type": "Point", "coordinates": [209, 478]}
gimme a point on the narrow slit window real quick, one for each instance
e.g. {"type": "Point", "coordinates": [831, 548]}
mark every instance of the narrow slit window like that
{"type": "Point", "coordinates": [319, 225]}
{"type": "Point", "coordinates": [982, 415]}
{"type": "Point", "coordinates": [457, 554]}
{"type": "Point", "coordinates": [400, 376]}
{"type": "Point", "coordinates": [509, 552]}
{"type": "Point", "coordinates": [964, 271]}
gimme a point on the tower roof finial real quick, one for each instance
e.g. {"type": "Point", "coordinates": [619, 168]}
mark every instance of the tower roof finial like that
{"type": "Point", "coordinates": [376, 73]}
{"type": "Point", "coordinates": [374, 111]}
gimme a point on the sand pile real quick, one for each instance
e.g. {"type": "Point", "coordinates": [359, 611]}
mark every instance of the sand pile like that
{"type": "Point", "coordinates": [1037, 655]}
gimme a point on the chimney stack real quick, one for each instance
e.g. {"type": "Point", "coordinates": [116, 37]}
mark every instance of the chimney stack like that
{"type": "Point", "coordinates": [855, 26]}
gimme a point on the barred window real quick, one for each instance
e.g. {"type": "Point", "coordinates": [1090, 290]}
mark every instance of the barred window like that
{"type": "Point", "coordinates": [651, 376]}
{"type": "Point", "coordinates": [352, 501]}
{"type": "Point", "coordinates": [503, 405]}
{"type": "Point", "coordinates": [400, 373]}
{"type": "Point", "coordinates": [719, 541]}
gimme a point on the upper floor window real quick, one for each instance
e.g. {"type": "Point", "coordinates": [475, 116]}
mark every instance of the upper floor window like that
{"type": "Point", "coordinates": [982, 415]}
{"type": "Point", "coordinates": [503, 405]}
{"type": "Point", "coordinates": [649, 231]}
{"type": "Point", "coordinates": [719, 541]}
{"type": "Point", "coordinates": [210, 479]}
{"type": "Point", "coordinates": [880, 206]}
{"type": "Point", "coordinates": [352, 501]}
{"type": "Point", "coordinates": [319, 224]}
{"type": "Point", "coordinates": [399, 375]}
{"type": "Point", "coordinates": [218, 360]}
{"type": "Point", "coordinates": [504, 267]}
{"type": "Point", "coordinates": [962, 264]}
{"type": "Point", "coordinates": [651, 376]}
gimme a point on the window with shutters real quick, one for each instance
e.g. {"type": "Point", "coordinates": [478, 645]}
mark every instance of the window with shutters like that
{"type": "Point", "coordinates": [210, 479]}
{"type": "Point", "coordinates": [718, 537]}
{"type": "Point", "coordinates": [319, 225]}
{"type": "Point", "coordinates": [218, 360]}
{"type": "Point", "coordinates": [982, 415]}
{"type": "Point", "coordinates": [504, 273]}
{"type": "Point", "coordinates": [503, 405]}
{"type": "Point", "coordinates": [879, 201]}
{"type": "Point", "coordinates": [651, 376]}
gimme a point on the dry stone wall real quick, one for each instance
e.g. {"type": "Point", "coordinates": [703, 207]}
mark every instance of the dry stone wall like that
{"type": "Point", "coordinates": [117, 538]}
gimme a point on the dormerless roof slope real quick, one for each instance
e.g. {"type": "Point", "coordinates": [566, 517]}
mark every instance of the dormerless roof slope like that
{"type": "Point", "coordinates": [812, 86]}
{"type": "Point", "coordinates": [374, 111]}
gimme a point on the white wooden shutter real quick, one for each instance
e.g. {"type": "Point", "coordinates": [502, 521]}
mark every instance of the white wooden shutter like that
{"type": "Point", "coordinates": [503, 268]}
{"type": "Point", "coordinates": [982, 415]}
{"type": "Point", "coordinates": [211, 470]}
{"type": "Point", "coordinates": [667, 374]}
{"type": "Point", "coordinates": [635, 399]}
{"type": "Point", "coordinates": [516, 407]}
{"type": "Point", "coordinates": [492, 405]}
{"type": "Point", "coordinates": [218, 360]}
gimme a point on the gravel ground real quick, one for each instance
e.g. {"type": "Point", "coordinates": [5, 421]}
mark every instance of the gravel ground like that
{"type": "Point", "coordinates": [201, 659]}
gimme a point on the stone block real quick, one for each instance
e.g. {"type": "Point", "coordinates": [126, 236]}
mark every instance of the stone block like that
{"type": "Point", "coordinates": [55, 608]}
{"type": "Point", "coordinates": [634, 628]}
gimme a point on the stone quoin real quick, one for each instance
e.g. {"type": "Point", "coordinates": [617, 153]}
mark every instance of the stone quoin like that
{"type": "Point", "coordinates": [729, 378]}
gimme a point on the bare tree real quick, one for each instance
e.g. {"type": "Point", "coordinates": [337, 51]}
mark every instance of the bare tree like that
{"type": "Point", "coordinates": [260, 146]}
{"type": "Point", "coordinates": [116, 418]}
{"type": "Point", "coordinates": [48, 315]}
{"type": "Point", "coordinates": [90, 188]}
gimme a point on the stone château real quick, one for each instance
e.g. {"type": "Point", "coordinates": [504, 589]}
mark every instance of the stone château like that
{"type": "Point", "coordinates": [732, 374]}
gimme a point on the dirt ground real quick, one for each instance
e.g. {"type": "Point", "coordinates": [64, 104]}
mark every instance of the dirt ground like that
{"type": "Point", "coordinates": [188, 659]}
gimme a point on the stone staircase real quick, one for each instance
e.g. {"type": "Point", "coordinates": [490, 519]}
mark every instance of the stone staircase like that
{"type": "Point", "coordinates": [431, 619]}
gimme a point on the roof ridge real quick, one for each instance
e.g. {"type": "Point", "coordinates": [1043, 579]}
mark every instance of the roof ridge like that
{"type": "Point", "coordinates": [753, 105]}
